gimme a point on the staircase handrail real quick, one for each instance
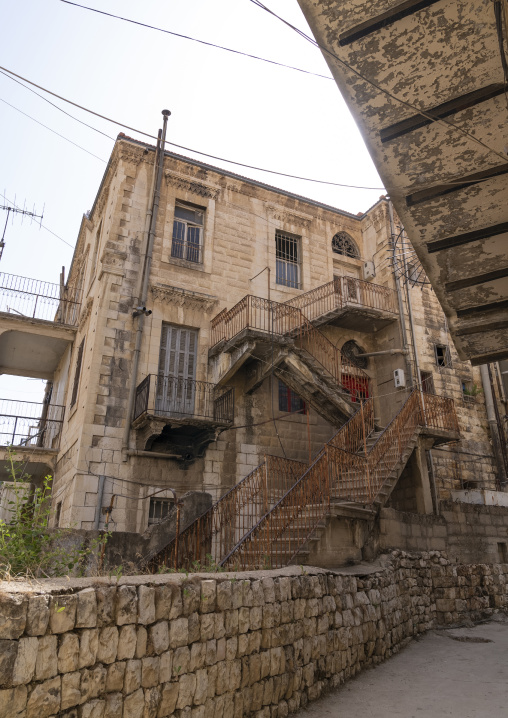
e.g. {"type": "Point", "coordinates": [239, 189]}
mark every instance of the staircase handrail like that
{"type": "Point", "coordinates": [220, 527]}
{"type": "Point", "coordinates": [342, 291]}
{"type": "Point", "coordinates": [263, 536]}
{"type": "Point", "coordinates": [336, 469]}
{"type": "Point", "coordinates": [276, 318]}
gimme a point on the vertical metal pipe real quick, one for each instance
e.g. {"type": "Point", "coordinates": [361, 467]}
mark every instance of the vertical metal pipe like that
{"type": "Point", "coordinates": [100, 495]}
{"type": "Point", "coordinates": [144, 290]}
{"type": "Point", "coordinates": [403, 332]}
{"type": "Point", "coordinates": [494, 433]}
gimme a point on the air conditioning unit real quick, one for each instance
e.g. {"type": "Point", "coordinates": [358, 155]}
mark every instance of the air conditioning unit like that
{"type": "Point", "coordinates": [369, 271]}
{"type": "Point", "coordinates": [399, 378]}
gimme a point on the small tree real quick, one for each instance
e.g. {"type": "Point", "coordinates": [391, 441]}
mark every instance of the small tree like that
{"type": "Point", "coordinates": [28, 547]}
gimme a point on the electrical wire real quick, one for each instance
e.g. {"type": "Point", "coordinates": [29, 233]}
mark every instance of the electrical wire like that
{"type": "Point", "coordinates": [194, 39]}
{"type": "Point", "coordinates": [81, 122]}
{"type": "Point", "coordinates": [53, 131]}
{"type": "Point", "coordinates": [183, 147]}
{"type": "Point", "coordinates": [378, 87]}
{"type": "Point", "coordinates": [449, 183]}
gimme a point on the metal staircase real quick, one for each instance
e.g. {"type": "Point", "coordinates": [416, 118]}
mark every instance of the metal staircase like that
{"type": "Point", "coordinates": [348, 469]}
{"type": "Point", "coordinates": [268, 518]}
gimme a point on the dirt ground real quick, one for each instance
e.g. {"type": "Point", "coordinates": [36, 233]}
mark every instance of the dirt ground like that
{"type": "Point", "coordinates": [462, 673]}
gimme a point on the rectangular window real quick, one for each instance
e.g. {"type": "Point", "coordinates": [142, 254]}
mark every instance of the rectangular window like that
{"type": "Point", "coordinates": [77, 373]}
{"type": "Point", "coordinates": [443, 356]}
{"type": "Point", "coordinates": [159, 510]}
{"type": "Point", "coordinates": [176, 386]}
{"type": "Point", "coordinates": [188, 233]}
{"type": "Point", "coordinates": [427, 382]}
{"type": "Point", "coordinates": [289, 400]}
{"type": "Point", "coordinates": [287, 259]}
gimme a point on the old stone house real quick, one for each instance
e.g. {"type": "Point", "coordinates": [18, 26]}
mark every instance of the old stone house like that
{"type": "Point", "coordinates": [208, 320]}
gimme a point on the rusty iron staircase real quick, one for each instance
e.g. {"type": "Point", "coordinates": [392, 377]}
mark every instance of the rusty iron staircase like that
{"type": "Point", "coordinates": [267, 519]}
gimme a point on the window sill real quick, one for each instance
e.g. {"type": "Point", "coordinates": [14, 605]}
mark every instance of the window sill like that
{"type": "Point", "coordinates": [185, 263]}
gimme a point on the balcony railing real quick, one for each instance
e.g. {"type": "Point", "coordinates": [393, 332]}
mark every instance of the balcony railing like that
{"type": "Point", "coordinates": [178, 398]}
{"type": "Point", "coordinates": [32, 298]}
{"type": "Point", "coordinates": [28, 423]}
{"type": "Point", "coordinates": [344, 292]}
{"type": "Point", "coordinates": [272, 318]}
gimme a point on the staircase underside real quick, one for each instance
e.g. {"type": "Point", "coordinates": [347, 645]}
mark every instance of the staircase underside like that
{"type": "Point", "coordinates": [257, 353]}
{"type": "Point", "coordinates": [357, 317]}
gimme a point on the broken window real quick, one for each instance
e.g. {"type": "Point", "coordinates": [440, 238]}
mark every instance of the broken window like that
{"type": "Point", "coordinates": [289, 400]}
{"type": "Point", "coordinates": [77, 373]}
{"type": "Point", "coordinates": [443, 356]}
{"type": "Point", "coordinates": [287, 258]}
{"type": "Point", "coordinates": [342, 243]}
{"type": "Point", "coordinates": [187, 240]}
{"type": "Point", "coordinates": [159, 510]}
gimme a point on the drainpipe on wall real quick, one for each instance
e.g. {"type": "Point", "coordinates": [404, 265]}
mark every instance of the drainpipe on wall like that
{"type": "Point", "coordinates": [144, 285]}
{"type": "Point", "coordinates": [403, 332]}
{"type": "Point", "coordinates": [494, 427]}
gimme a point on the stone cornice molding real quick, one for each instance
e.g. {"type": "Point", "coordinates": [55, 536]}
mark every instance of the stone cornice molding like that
{"type": "Point", "coordinates": [192, 185]}
{"type": "Point", "coordinates": [113, 263]}
{"type": "Point", "coordinates": [184, 297]}
{"type": "Point", "coordinates": [282, 215]}
{"type": "Point", "coordinates": [85, 313]}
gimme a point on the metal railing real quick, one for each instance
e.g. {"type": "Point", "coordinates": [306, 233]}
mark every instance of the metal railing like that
{"type": "Point", "coordinates": [175, 397]}
{"type": "Point", "coordinates": [35, 299]}
{"type": "Point", "coordinates": [339, 473]}
{"type": "Point", "coordinates": [275, 319]}
{"type": "Point", "coordinates": [28, 423]}
{"type": "Point", "coordinates": [342, 292]}
{"type": "Point", "coordinates": [218, 531]}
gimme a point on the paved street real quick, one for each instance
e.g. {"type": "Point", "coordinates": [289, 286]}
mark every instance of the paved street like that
{"type": "Point", "coordinates": [462, 673]}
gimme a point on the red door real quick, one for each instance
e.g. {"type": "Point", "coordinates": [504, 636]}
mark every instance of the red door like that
{"type": "Point", "coordinates": [358, 387]}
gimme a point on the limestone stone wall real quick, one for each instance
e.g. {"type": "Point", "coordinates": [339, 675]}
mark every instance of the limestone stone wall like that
{"type": "Point", "coordinates": [468, 532]}
{"type": "Point", "coordinates": [260, 644]}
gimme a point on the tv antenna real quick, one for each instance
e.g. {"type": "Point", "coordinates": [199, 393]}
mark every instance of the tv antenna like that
{"type": "Point", "coordinates": [405, 262]}
{"type": "Point", "coordinates": [13, 209]}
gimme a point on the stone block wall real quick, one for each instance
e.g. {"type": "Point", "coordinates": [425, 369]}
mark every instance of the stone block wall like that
{"type": "Point", "coordinates": [470, 533]}
{"type": "Point", "coordinates": [260, 643]}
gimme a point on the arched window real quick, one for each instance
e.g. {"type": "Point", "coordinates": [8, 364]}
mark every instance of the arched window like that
{"type": "Point", "coordinates": [342, 243]}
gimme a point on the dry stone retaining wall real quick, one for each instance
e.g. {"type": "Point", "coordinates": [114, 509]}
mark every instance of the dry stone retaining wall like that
{"type": "Point", "coordinates": [260, 644]}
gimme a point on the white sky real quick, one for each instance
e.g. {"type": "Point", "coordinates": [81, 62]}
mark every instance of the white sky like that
{"type": "Point", "coordinates": [222, 104]}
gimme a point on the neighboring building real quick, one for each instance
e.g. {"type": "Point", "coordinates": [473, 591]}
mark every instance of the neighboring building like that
{"type": "Point", "coordinates": [426, 83]}
{"type": "Point", "coordinates": [224, 375]}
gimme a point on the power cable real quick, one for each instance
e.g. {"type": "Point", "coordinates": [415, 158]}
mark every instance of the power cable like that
{"type": "Point", "coordinates": [53, 131]}
{"type": "Point", "coordinates": [450, 183]}
{"type": "Point", "coordinates": [91, 127]}
{"type": "Point", "coordinates": [182, 147]}
{"type": "Point", "coordinates": [410, 106]}
{"type": "Point", "coordinates": [194, 39]}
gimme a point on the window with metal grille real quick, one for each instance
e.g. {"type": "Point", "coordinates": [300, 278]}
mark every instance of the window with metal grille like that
{"type": "Point", "coordinates": [287, 259]}
{"type": "Point", "coordinates": [159, 510]}
{"type": "Point", "coordinates": [289, 400]}
{"type": "Point", "coordinates": [442, 354]}
{"type": "Point", "coordinates": [187, 240]}
{"type": "Point", "coordinates": [176, 384]}
{"type": "Point", "coordinates": [77, 373]}
{"type": "Point", "coordinates": [342, 243]}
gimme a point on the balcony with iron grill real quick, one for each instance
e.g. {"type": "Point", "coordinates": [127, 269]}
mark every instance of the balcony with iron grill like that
{"type": "Point", "coordinates": [350, 303]}
{"type": "Point", "coordinates": [37, 323]}
{"type": "Point", "coordinates": [32, 430]}
{"type": "Point", "coordinates": [179, 417]}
